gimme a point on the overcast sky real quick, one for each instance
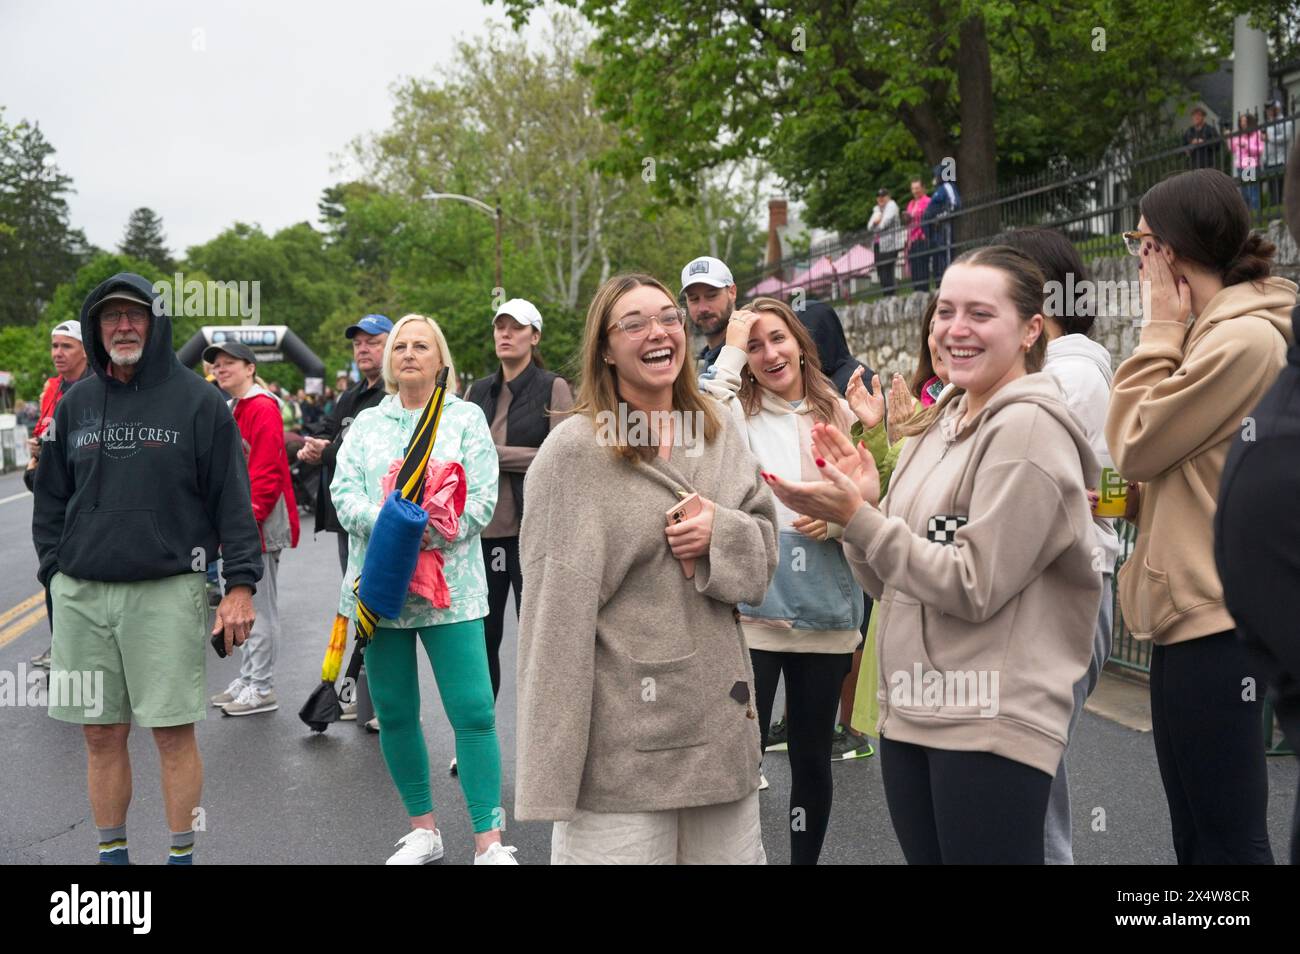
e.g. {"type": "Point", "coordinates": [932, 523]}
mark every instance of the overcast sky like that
{"type": "Point", "coordinates": [213, 112]}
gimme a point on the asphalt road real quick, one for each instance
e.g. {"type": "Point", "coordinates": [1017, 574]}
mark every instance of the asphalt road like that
{"type": "Point", "coordinates": [276, 793]}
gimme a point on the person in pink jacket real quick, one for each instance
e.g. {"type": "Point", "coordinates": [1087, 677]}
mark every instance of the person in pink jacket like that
{"type": "Point", "coordinates": [1247, 145]}
{"type": "Point", "coordinates": [918, 262]}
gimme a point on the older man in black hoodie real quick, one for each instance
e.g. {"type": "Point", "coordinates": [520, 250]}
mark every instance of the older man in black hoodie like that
{"type": "Point", "coordinates": [1257, 526]}
{"type": "Point", "coordinates": [142, 483]}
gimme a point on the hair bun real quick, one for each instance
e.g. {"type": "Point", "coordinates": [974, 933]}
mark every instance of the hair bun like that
{"type": "Point", "coordinates": [1253, 262]}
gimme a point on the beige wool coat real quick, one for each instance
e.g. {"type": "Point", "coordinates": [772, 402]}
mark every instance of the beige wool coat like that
{"type": "Point", "coordinates": [635, 686]}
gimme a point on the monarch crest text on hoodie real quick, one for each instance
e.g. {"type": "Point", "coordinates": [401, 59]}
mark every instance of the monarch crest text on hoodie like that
{"type": "Point", "coordinates": [124, 439]}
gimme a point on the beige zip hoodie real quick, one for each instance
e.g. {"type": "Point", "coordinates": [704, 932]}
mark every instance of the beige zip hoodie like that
{"type": "Point", "coordinates": [982, 638]}
{"type": "Point", "coordinates": [1178, 402]}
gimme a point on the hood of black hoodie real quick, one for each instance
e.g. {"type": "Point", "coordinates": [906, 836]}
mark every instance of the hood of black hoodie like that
{"type": "Point", "coordinates": [158, 362]}
{"type": "Point", "coordinates": [827, 332]}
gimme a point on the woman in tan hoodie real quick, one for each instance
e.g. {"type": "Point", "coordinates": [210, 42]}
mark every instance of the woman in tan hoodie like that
{"type": "Point", "coordinates": [1178, 402]}
{"type": "Point", "coordinates": [982, 557]}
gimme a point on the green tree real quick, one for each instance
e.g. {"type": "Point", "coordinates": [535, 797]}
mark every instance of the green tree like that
{"type": "Point", "coordinates": [521, 125]}
{"type": "Point", "coordinates": [840, 97]}
{"type": "Point", "coordinates": [144, 239]}
{"type": "Point", "coordinates": [302, 281]}
{"type": "Point", "coordinates": [38, 248]}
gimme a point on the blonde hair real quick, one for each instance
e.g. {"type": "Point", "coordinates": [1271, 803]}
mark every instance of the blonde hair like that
{"type": "Point", "coordinates": [439, 340]}
{"type": "Point", "coordinates": [598, 387]}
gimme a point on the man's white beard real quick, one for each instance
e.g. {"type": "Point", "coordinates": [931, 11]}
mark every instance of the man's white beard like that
{"type": "Point", "coordinates": [123, 357]}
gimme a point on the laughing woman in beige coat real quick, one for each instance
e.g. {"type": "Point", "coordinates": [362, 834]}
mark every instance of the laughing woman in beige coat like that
{"type": "Point", "coordinates": [637, 729]}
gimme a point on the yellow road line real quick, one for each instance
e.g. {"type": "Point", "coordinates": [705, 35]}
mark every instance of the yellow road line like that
{"type": "Point", "coordinates": [23, 625]}
{"type": "Point", "coordinates": [22, 607]}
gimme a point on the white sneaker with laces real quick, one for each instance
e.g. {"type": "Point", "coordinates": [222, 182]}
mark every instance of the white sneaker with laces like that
{"type": "Point", "coordinates": [497, 854]}
{"type": "Point", "coordinates": [419, 846]}
{"type": "Point", "coordinates": [228, 695]}
{"type": "Point", "coordinates": [251, 702]}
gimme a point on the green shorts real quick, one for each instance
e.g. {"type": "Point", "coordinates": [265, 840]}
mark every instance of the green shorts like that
{"type": "Point", "coordinates": [129, 649]}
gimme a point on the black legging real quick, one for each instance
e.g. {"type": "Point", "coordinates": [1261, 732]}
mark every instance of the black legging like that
{"type": "Point", "coordinates": [1210, 747]}
{"type": "Point", "coordinates": [501, 560]}
{"type": "Point", "coordinates": [812, 698]}
{"type": "Point", "coordinates": [964, 808]}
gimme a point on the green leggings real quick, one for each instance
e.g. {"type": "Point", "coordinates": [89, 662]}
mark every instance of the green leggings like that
{"type": "Point", "coordinates": [458, 655]}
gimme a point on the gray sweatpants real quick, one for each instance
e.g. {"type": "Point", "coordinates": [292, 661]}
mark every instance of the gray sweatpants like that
{"type": "Point", "coordinates": [1057, 849]}
{"type": "Point", "coordinates": [258, 665]}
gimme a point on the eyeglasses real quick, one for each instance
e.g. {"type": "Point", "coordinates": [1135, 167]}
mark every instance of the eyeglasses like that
{"type": "Point", "coordinates": [637, 325]}
{"type": "Point", "coordinates": [135, 315]}
{"type": "Point", "coordinates": [1133, 241]}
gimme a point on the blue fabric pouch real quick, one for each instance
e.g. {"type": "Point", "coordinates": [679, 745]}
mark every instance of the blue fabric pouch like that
{"type": "Point", "coordinates": [391, 555]}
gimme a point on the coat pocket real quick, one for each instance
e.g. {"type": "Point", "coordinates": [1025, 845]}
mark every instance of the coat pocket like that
{"type": "Point", "coordinates": [669, 708]}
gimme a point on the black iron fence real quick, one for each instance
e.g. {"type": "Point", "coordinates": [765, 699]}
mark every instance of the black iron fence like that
{"type": "Point", "coordinates": [1092, 207]}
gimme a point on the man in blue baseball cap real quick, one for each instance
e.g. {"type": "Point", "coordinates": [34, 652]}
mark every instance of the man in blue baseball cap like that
{"type": "Point", "coordinates": [368, 337]}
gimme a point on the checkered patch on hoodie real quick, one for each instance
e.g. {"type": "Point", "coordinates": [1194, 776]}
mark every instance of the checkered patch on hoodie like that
{"type": "Point", "coordinates": [942, 529]}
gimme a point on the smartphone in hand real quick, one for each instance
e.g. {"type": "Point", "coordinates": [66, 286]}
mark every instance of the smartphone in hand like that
{"type": "Point", "coordinates": [683, 510]}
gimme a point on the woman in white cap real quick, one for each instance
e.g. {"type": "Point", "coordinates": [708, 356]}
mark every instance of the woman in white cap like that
{"type": "Point", "coordinates": [522, 401]}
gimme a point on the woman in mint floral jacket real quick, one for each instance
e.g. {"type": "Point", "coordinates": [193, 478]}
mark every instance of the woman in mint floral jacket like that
{"type": "Point", "coordinates": [453, 637]}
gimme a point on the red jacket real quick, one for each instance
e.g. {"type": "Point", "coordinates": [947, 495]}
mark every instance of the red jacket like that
{"type": "Point", "coordinates": [49, 400]}
{"type": "Point", "coordinates": [258, 416]}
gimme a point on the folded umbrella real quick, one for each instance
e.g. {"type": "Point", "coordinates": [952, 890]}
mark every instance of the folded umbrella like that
{"type": "Point", "coordinates": [322, 706]}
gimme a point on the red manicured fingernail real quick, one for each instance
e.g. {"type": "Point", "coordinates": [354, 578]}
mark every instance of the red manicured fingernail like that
{"type": "Point", "coordinates": [820, 462]}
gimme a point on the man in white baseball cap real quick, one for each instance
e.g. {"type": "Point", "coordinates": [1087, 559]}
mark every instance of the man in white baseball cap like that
{"type": "Point", "coordinates": [70, 366]}
{"type": "Point", "coordinates": [710, 294]}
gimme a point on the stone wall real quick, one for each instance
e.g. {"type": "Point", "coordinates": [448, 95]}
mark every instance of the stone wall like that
{"type": "Point", "coordinates": [885, 333]}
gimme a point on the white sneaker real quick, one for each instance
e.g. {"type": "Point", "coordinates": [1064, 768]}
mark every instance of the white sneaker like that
{"type": "Point", "coordinates": [373, 725]}
{"type": "Point", "coordinates": [251, 702]}
{"type": "Point", "coordinates": [230, 693]}
{"type": "Point", "coordinates": [349, 713]}
{"type": "Point", "coordinates": [762, 782]}
{"type": "Point", "coordinates": [497, 854]}
{"type": "Point", "coordinates": [419, 846]}
{"type": "Point", "coordinates": [452, 768]}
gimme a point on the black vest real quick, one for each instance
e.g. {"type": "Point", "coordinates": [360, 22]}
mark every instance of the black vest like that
{"type": "Point", "coordinates": [527, 422]}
